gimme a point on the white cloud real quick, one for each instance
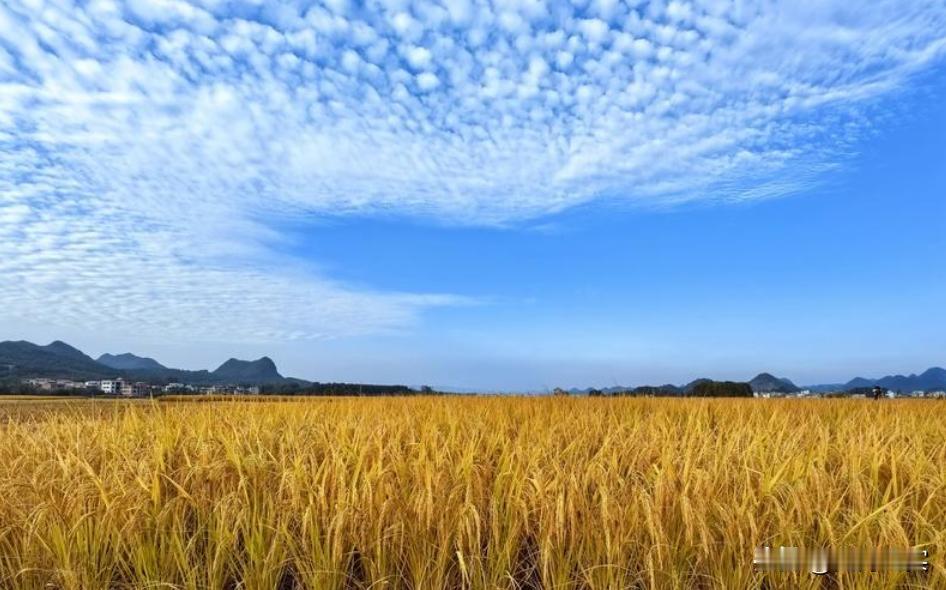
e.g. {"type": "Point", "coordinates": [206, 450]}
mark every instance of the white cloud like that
{"type": "Point", "coordinates": [460, 11]}
{"type": "Point", "coordinates": [418, 57]}
{"type": "Point", "coordinates": [146, 148]}
{"type": "Point", "coordinates": [427, 81]}
{"type": "Point", "coordinates": [596, 30]}
{"type": "Point", "coordinates": [405, 25]}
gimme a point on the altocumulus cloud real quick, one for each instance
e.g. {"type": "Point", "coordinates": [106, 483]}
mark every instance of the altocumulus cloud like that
{"type": "Point", "coordinates": [147, 146]}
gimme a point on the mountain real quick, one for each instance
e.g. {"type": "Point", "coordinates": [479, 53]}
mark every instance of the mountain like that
{"type": "Point", "coordinates": [766, 382]}
{"type": "Point", "coordinates": [689, 387]}
{"type": "Point", "coordinates": [933, 378]}
{"type": "Point", "coordinates": [859, 382]}
{"type": "Point", "coordinates": [21, 359]}
{"type": "Point", "coordinates": [261, 370]}
{"type": "Point", "coordinates": [130, 362]}
{"type": "Point", "coordinates": [63, 350]}
{"type": "Point", "coordinates": [930, 380]}
{"type": "Point", "coordinates": [57, 359]}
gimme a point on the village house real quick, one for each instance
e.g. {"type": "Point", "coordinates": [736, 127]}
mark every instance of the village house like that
{"type": "Point", "coordinates": [47, 384]}
{"type": "Point", "coordinates": [111, 386]}
{"type": "Point", "coordinates": [137, 389]}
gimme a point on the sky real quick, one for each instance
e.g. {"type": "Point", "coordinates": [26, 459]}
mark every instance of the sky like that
{"type": "Point", "coordinates": [501, 196]}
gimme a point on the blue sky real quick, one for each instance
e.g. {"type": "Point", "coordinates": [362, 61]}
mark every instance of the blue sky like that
{"type": "Point", "coordinates": [489, 195]}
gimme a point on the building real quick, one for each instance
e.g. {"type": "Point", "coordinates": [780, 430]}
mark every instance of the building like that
{"type": "Point", "coordinates": [137, 389]}
{"type": "Point", "coordinates": [44, 384]}
{"type": "Point", "coordinates": [231, 390]}
{"type": "Point", "coordinates": [111, 386]}
{"type": "Point", "coordinates": [47, 384]}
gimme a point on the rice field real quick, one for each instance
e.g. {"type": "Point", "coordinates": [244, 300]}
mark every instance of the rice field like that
{"type": "Point", "coordinates": [479, 493]}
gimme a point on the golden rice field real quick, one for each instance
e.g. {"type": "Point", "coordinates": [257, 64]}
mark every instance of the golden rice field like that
{"type": "Point", "coordinates": [474, 493]}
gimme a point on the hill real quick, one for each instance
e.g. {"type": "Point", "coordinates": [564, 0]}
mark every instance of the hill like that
{"type": "Point", "coordinates": [766, 382]}
{"type": "Point", "coordinates": [690, 387]}
{"type": "Point", "coordinates": [262, 370]}
{"type": "Point", "coordinates": [130, 362]}
{"type": "Point", "coordinates": [666, 390]}
{"type": "Point", "coordinates": [932, 379]}
{"type": "Point", "coordinates": [57, 359]}
{"type": "Point", "coordinates": [705, 388]}
{"type": "Point", "coordinates": [21, 359]}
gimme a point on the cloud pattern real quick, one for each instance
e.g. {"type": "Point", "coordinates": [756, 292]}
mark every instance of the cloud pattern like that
{"type": "Point", "coordinates": [150, 149]}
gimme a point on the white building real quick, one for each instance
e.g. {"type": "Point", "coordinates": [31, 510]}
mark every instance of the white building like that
{"type": "Point", "coordinates": [111, 386]}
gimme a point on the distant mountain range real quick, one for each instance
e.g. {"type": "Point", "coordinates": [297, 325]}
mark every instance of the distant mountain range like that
{"type": "Point", "coordinates": [22, 359]}
{"type": "Point", "coordinates": [933, 379]}
{"type": "Point", "coordinates": [59, 360]}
